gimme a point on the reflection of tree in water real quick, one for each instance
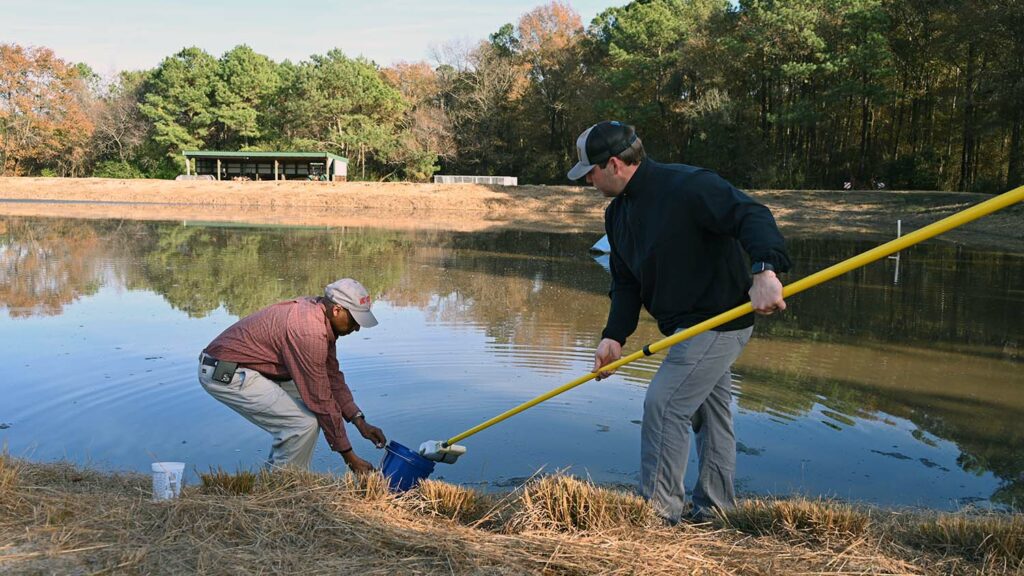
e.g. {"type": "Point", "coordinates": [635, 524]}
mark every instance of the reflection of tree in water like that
{"type": "Point", "coordinates": [535, 293]}
{"type": "Point", "coordinates": [46, 264]}
{"type": "Point", "coordinates": [520, 285]}
{"type": "Point", "coordinates": [946, 296]}
{"type": "Point", "coordinates": [199, 269]}
{"type": "Point", "coordinates": [978, 426]}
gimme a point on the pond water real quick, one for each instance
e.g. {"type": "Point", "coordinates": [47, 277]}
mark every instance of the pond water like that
{"type": "Point", "coordinates": [892, 390]}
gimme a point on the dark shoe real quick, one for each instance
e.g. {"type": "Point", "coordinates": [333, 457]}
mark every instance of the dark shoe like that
{"type": "Point", "coordinates": [698, 516]}
{"type": "Point", "coordinates": [668, 522]}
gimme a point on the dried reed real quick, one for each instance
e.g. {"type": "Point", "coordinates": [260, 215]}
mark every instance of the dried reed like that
{"type": "Point", "coordinates": [822, 521]}
{"type": "Point", "coordinates": [8, 474]}
{"type": "Point", "coordinates": [566, 504]}
{"type": "Point", "coordinates": [457, 503]}
{"type": "Point", "coordinates": [286, 521]}
{"type": "Point", "coordinates": [221, 481]}
{"type": "Point", "coordinates": [984, 538]}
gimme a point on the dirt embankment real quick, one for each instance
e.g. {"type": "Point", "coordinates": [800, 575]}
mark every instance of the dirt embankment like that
{"type": "Point", "coordinates": [59, 519]}
{"type": "Point", "coordinates": [471, 207]}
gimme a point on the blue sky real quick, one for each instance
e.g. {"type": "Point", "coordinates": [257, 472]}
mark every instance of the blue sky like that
{"type": "Point", "coordinates": [113, 35]}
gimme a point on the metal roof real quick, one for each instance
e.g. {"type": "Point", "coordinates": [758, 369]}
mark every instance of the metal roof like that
{"type": "Point", "coordinates": [251, 155]}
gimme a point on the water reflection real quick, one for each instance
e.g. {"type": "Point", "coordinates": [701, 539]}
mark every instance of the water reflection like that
{"type": "Point", "coordinates": [896, 394]}
{"type": "Point", "coordinates": [43, 268]}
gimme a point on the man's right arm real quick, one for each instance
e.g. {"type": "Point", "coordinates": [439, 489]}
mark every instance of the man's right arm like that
{"type": "Point", "coordinates": [624, 312]}
{"type": "Point", "coordinates": [608, 351]}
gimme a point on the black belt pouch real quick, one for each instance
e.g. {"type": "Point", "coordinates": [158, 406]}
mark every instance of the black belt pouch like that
{"type": "Point", "coordinates": [224, 371]}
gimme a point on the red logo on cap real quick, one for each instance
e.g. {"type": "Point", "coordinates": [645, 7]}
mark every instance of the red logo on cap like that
{"type": "Point", "coordinates": [364, 300]}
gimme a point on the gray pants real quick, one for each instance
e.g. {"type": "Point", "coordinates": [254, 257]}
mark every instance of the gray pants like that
{"type": "Point", "coordinates": [273, 406]}
{"type": "Point", "coordinates": [691, 389]}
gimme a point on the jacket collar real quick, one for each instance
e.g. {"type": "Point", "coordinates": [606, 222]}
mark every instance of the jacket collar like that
{"type": "Point", "coordinates": [636, 185]}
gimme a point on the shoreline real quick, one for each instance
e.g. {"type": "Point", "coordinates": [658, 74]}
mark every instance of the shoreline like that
{"type": "Point", "coordinates": [62, 518]}
{"type": "Point", "coordinates": [473, 207]}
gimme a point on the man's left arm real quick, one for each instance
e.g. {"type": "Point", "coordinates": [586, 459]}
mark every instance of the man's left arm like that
{"type": "Point", "coordinates": [726, 210]}
{"type": "Point", "coordinates": [346, 403]}
{"type": "Point", "coordinates": [766, 293]}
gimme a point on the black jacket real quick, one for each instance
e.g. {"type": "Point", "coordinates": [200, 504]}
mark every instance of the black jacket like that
{"type": "Point", "coordinates": [677, 235]}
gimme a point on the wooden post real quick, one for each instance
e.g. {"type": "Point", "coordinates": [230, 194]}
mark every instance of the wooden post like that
{"type": "Point", "coordinates": [218, 168]}
{"type": "Point", "coordinates": [275, 170]}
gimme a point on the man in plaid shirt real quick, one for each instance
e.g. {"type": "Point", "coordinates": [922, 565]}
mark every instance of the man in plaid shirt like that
{"type": "Point", "coordinates": [279, 369]}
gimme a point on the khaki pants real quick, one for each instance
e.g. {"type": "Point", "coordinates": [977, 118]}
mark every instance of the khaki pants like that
{"type": "Point", "coordinates": [691, 390]}
{"type": "Point", "coordinates": [273, 406]}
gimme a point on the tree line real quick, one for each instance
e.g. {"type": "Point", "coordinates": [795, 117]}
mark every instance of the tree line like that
{"type": "Point", "coordinates": [907, 94]}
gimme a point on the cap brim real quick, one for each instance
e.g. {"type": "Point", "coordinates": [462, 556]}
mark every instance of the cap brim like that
{"type": "Point", "coordinates": [580, 170]}
{"type": "Point", "coordinates": [365, 319]}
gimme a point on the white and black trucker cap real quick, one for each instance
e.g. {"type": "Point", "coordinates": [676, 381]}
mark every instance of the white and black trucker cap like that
{"type": "Point", "coordinates": [599, 143]}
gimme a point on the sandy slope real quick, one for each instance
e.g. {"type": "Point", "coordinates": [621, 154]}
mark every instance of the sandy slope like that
{"type": "Point", "coordinates": [468, 207]}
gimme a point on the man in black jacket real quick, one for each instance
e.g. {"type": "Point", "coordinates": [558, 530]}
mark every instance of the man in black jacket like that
{"type": "Point", "coordinates": [677, 236]}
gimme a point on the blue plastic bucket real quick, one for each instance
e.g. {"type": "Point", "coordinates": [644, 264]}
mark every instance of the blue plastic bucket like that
{"type": "Point", "coordinates": [404, 468]}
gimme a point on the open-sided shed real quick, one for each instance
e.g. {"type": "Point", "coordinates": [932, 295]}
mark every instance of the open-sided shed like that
{"type": "Point", "coordinates": [266, 165]}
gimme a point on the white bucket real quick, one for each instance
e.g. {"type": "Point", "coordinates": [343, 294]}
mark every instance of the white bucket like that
{"type": "Point", "coordinates": [167, 478]}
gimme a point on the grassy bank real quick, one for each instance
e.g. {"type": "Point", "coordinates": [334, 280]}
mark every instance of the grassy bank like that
{"type": "Point", "coordinates": [57, 518]}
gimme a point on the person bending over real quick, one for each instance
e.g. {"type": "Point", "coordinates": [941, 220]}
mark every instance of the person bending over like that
{"type": "Point", "coordinates": [279, 369]}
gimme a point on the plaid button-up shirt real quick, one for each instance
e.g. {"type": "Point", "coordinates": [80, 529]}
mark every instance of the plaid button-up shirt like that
{"type": "Point", "coordinates": [294, 339]}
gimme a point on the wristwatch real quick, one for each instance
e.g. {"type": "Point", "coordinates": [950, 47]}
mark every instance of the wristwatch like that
{"type": "Point", "coordinates": [358, 414]}
{"type": "Point", "coordinates": [759, 267]}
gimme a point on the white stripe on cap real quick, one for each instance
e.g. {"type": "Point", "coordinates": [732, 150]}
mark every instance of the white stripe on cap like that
{"type": "Point", "coordinates": [583, 166]}
{"type": "Point", "coordinates": [581, 145]}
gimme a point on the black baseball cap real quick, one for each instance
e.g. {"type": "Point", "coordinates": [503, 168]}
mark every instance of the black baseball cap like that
{"type": "Point", "coordinates": [599, 143]}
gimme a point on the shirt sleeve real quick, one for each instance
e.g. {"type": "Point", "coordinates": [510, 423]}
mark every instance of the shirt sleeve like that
{"type": "Point", "coordinates": [624, 312]}
{"type": "Point", "coordinates": [339, 388]}
{"type": "Point", "coordinates": [321, 385]}
{"type": "Point", "coordinates": [723, 209]}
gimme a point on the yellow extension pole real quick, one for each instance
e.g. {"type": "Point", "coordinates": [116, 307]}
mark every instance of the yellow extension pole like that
{"type": "Point", "coordinates": [960, 218]}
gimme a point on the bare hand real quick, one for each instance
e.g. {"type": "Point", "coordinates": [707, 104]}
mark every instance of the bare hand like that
{"type": "Point", "coordinates": [356, 464]}
{"type": "Point", "coordinates": [766, 293]}
{"type": "Point", "coordinates": [371, 432]}
{"type": "Point", "coordinates": [608, 351]}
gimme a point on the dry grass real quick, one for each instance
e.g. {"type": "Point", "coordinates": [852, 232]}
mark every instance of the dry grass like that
{"type": "Point", "coordinates": [457, 503]}
{"type": "Point", "coordinates": [990, 539]}
{"type": "Point", "coordinates": [566, 504]}
{"type": "Point", "coordinates": [820, 521]}
{"type": "Point", "coordinates": [221, 481]}
{"type": "Point", "coordinates": [8, 474]}
{"type": "Point", "coordinates": [79, 521]}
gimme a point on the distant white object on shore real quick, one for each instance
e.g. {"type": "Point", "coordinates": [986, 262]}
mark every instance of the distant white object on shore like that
{"type": "Point", "coordinates": [600, 251]}
{"type": "Point", "coordinates": [497, 180]}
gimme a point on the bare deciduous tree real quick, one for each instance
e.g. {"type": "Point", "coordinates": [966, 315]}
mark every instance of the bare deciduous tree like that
{"type": "Point", "coordinates": [120, 127]}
